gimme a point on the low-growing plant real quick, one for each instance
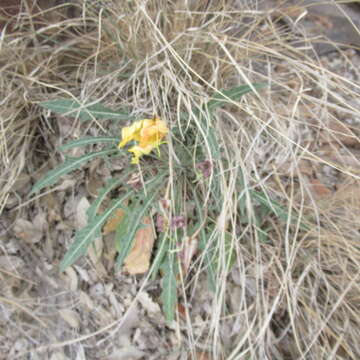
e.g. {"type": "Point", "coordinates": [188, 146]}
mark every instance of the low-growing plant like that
{"type": "Point", "coordinates": [196, 172]}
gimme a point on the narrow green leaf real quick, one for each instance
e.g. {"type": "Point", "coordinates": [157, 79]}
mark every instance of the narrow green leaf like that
{"type": "Point", "coordinates": [72, 108]}
{"type": "Point", "coordinates": [276, 208]}
{"type": "Point", "coordinates": [103, 192]}
{"type": "Point", "coordinates": [209, 133]}
{"type": "Point", "coordinates": [222, 97]}
{"type": "Point", "coordinates": [69, 165]}
{"type": "Point", "coordinates": [262, 234]}
{"type": "Point", "coordinates": [85, 236]}
{"type": "Point", "coordinates": [159, 258]}
{"type": "Point", "coordinates": [89, 141]}
{"type": "Point", "coordinates": [242, 194]}
{"type": "Point", "coordinates": [168, 294]}
{"type": "Point", "coordinates": [123, 227]}
{"type": "Point", "coordinates": [211, 138]}
{"type": "Point", "coordinates": [208, 260]}
{"type": "Point", "coordinates": [203, 245]}
{"type": "Point", "coordinates": [126, 235]}
{"type": "Point", "coordinates": [213, 144]}
{"type": "Point", "coordinates": [219, 254]}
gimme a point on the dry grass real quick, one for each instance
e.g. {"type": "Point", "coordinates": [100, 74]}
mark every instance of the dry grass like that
{"type": "Point", "coordinates": [294, 296]}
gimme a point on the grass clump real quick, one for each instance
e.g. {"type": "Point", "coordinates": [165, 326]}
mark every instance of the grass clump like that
{"type": "Point", "coordinates": [193, 167]}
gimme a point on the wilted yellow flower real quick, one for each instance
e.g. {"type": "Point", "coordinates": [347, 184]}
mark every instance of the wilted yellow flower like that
{"type": "Point", "coordinates": [148, 133]}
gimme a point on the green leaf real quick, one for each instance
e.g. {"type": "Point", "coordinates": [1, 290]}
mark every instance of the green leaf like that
{"type": "Point", "coordinates": [222, 97]}
{"type": "Point", "coordinates": [69, 165]}
{"type": "Point", "coordinates": [211, 138]}
{"type": "Point", "coordinates": [215, 255]}
{"type": "Point", "coordinates": [85, 236]}
{"type": "Point", "coordinates": [84, 112]}
{"type": "Point", "coordinates": [168, 294]}
{"type": "Point", "coordinates": [103, 192]}
{"type": "Point", "coordinates": [123, 228]}
{"type": "Point", "coordinates": [276, 208]}
{"type": "Point", "coordinates": [209, 263]}
{"type": "Point", "coordinates": [162, 250]}
{"type": "Point", "coordinates": [208, 132]}
{"type": "Point", "coordinates": [210, 241]}
{"type": "Point", "coordinates": [242, 194]}
{"type": "Point", "coordinates": [203, 246]}
{"type": "Point", "coordinates": [125, 235]}
{"type": "Point", "coordinates": [89, 141]}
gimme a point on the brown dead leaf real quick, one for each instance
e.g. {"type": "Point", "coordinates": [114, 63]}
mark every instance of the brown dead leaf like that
{"type": "Point", "coordinates": [31, 231]}
{"type": "Point", "coordinates": [86, 301]}
{"type": "Point", "coordinates": [319, 189]}
{"type": "Point", "coordinates": [349, 158]}
{"type": "Point", "coordinates": [52, 205]}
{"type": "Point", "coordinates": [306, 167]}
{"type": "Point", "coordinates": [337, 131]}
{"type": "Point", "coordinates": [81, 218]}
{"type": "Point", "coordinates": [95, 252]}
{"type": "Point", "coordinates": [95, 177]}
{"type": "Point", "coordinates": [202, 355]}
{"type": "Point", "coordinates": [322, 21]}
{"type": "Point", "coordinates": [71, 317]}
{"type": "Point", "coordinates": [113, 221]}
{"type": "Point", "coordinates": [66, 184]}
{"type": "Point", "coordinates": [306, 112]}
{"type": "Point", "coordinates": [93, 184]}
{"type": "Point", "coordinates": [149, 304]}
{"type": "Point", "coordinates": [138, 260]}
{"type": "Point", "coordinates": [344, 204]}
{"type": "Point", "coordinates": [11, 263]}
{"type": "Point", "coordinates": [348, 194]}
{"type": "Point", "coordinates": [71, 279]}
{"type": "Point", "coordinates": [181, 310]}
{"type": "Point", "coordinates": [303, 167]}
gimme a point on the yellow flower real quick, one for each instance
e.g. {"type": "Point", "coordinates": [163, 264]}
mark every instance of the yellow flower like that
{"type": "Point", "coordinates": [148, 133]}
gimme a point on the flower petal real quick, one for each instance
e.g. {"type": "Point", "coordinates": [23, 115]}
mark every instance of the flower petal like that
{"type": "Point", "coordinates": [132, 132]}
{"type": "Point", "coordinates": [139, 151]}
{"type": "Point", "coordinates": [154, 133]}
{"type": "Point", "coordinates": [148, 133]}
